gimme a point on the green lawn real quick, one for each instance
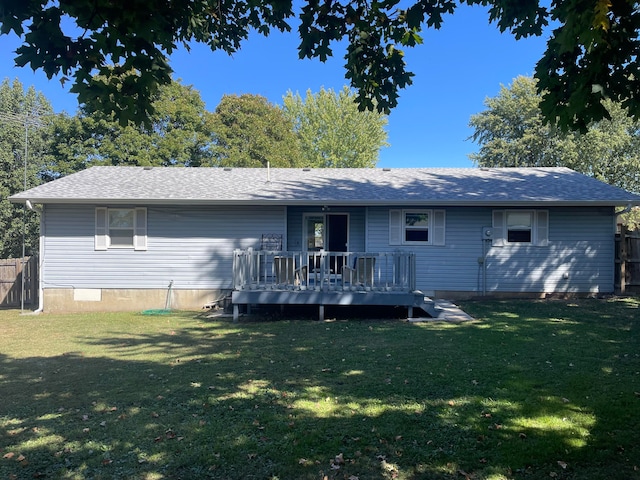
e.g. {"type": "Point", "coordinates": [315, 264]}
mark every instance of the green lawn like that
{"type": "Point", "coordinates": [531, 390]}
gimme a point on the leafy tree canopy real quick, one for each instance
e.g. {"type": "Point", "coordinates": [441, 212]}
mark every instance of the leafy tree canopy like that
{"type": "Point", "coordinates": [250, 131]}
{"type": "Point", "coordinates": [591, 55]}
{"type": "Point", "coordinates": [333, 132]}
{"type": "Point", "coordinates": [178, 133]}
{"type": "Point", "coordinates": [24, 145]}
{"type": "Point", "coordinates": [511, 133]}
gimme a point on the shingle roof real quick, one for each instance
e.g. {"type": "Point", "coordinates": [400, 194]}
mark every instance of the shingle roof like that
{"type": "Point", "coordinates": [356, 186]}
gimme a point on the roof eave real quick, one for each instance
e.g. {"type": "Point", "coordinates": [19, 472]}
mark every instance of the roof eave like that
{"type": "Point", "coordinates": [332, 202]}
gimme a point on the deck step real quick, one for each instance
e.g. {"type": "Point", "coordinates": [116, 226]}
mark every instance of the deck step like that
{"type": "Point", "coordinates": [429, 306]}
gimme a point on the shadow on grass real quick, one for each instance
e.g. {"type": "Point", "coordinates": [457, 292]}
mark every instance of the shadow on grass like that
{"type": "Point", "coordinates": [530, 390]}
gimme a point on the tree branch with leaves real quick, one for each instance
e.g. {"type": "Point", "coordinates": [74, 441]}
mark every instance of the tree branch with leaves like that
{"type": "Point", "coordinates": [116, 52]}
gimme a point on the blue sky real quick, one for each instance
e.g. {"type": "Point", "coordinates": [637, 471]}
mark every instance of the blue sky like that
{"type": "Point", "coordinates": [455, 68]}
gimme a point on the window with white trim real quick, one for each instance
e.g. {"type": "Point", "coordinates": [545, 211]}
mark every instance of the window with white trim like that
{"type": "Point", "coordinates": [121, 228]}
{"type": "Point", "coordinates": [513, 227]}
{"type": "Point", "coordinates": [416, 227]}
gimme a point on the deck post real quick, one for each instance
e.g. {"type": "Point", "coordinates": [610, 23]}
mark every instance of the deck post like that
{"type": "Point", "coordinates": [410, 312]}
{"type": "Point", "coordinates": [236, 313]}
{"type": "Point", "coordinates": [321, 313]}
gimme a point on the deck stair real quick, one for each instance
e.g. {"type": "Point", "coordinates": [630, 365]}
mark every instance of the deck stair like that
{"type": "Point", "coordinates": [429, 306]}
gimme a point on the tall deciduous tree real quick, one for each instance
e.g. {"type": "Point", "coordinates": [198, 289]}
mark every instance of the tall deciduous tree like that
{"type": "Point", "coordinates": [179, 133]}
{"type": "Point", "coordinates": [511, 133]}
{"type": "Point", "coordinates": [24, 145]}
{"type": "Point", "coordinates": [333, 131]}
{"type": "Point", "coordinates": [250, 131]}
{"type": "Point", "coordinates": [592, 53]}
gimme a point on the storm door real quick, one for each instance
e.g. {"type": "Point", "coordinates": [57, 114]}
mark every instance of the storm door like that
{"type": "Point", "coordinates": [329, 232]}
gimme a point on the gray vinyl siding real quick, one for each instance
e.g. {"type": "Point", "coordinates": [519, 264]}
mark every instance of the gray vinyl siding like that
{"type": "Point", "coordinates": [453, 266]}
{"type": "Point", "coordinates": [193, 247]}
{"type": "Point", "coordinates": [190, 245]}
{"type": "Point", "coordinates": [581, 245]}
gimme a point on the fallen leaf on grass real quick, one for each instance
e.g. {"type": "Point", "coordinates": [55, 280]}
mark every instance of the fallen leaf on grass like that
{"type": "Point", "coordinates": [8, 456]}
{"type": "Point", "coordinates": [562, 464]}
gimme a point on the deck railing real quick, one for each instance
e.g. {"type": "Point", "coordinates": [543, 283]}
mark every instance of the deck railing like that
{"type": "Point", "coordinates": [323, 270]}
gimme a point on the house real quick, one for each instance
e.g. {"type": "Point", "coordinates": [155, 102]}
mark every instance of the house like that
{"type": "Point", "coordinates": [116, 238]}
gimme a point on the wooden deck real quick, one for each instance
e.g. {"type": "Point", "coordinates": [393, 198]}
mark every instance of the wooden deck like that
{"type": "Point", "coordinates": [324, 278]}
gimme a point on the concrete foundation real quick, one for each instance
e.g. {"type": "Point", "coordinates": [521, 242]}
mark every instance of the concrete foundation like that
{"type": "Point", "coordinates": [123, 300]}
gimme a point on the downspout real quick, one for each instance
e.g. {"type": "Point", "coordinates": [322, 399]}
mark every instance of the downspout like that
{"type": "Point", "coordinates": [626, 209]}
{"type": "Point", "coordinates": [40, 210]}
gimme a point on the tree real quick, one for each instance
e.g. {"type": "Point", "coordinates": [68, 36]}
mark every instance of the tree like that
{"type": "Point", "coordinates": [24, 120]}
{"type": "Point", "coordinates": [179, 133]}
{"type": "Point", "coordinates": [512, 133]}
{"type": "Point", "coordinates": [333, 132]}
{"type": "Point", "coordinates": [250, 131]}
{"type": "Point", "coordinates": [591, 55]}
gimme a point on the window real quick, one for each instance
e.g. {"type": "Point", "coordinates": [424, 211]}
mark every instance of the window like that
{"type": "Point", "coordinates": [513, 227]}
{"type": "Point", "coordinates": [519, 226]}
{"type": "Point", "coordinates": [315, 232]}
{"type": "Point", "coordinates": [121, 228]}
{"type": "Point", "coordinates": [416, 227]}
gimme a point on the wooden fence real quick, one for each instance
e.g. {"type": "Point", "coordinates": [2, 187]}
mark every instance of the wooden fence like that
{"type": "Point", "coordinates": [627, 279]}
{"type": "Point", "coordinates": [11, 285]}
